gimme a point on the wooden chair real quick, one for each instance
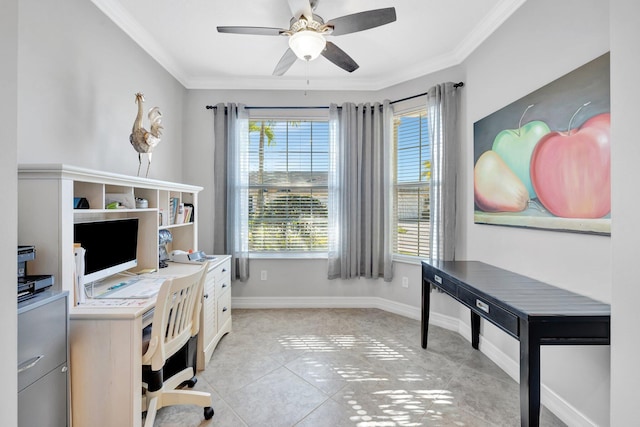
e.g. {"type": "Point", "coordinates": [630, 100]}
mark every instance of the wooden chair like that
{"type": "Point", "coordinates": [175, 321]}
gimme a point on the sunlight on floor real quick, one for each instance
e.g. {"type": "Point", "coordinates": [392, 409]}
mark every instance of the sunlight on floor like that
{"type": "Point", "coordinates": [373, 347]}
{"type": "Point", "coordinates": [393, 407]}
{"type": "Point", "coordinates": [389, 407]}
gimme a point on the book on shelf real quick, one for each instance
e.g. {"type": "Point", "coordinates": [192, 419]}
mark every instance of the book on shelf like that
{"type": "Point", "coordinates": [173, 209]}
{"type": "Point", "coordinates": [188, 212]}
{"type": "Point", "coordinates": [180, 214]}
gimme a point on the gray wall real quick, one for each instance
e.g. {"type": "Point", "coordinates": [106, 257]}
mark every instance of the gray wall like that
{"type": "Point", "coordinates": [78, 73]}
{"type": "Point", "coordinates": [542, 41]}
{"type": "Point", "coordinates": [625, 317]}
{"type": "Point", "coordinates": [9, 193]}
{"type": "Point", "coordinates": [78, 77]}
{"type": "Point", "coordinates": [67, 85]}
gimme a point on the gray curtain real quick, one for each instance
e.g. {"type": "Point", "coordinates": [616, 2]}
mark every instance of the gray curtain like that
{"type": "Point", "coordinates": [360, 192]}
{"type": "Point", "coordinates": [442, 108]}
{"type": "Point", "coordinates": [230, 187]}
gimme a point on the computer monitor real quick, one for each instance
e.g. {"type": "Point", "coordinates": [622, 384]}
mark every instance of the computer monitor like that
{"type": "Point", "coordinates": [110, 247]}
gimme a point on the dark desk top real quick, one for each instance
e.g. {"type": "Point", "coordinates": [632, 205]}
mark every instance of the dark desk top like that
{"type": "Point", "coordinates": [522, 295]}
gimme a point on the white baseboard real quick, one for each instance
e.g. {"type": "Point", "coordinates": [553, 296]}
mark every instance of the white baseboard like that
{"type": "Point", "coordinates": [556, 404]}
{"type": "Point", "coordinates": [327, 302]}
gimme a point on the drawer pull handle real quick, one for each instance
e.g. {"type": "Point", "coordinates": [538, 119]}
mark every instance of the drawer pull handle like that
{"type": "Point", "coordinates": [224, 285]}
{"type": "Point", "coordinates": [224, 309]}
{"type": "Point", "coordinates": [437, 278]}
{"type": "Point", "coordinates": [206, 295]}
{"type": "Point", "coordinates": [224, 270]}
{"type": "Point", "coordinates": [482, 306]}
{"type": "Point", "coordinates": [29, 363]}
{"type": "Point", "coordinates": [64, 369]}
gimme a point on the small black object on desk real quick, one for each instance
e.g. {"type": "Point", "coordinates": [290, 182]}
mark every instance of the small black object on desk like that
{"type": "Point", "coordinates": [533, 312]}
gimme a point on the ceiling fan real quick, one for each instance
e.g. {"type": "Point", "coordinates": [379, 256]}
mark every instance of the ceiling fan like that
{"type": "Point", "coordinates": [307, 33]}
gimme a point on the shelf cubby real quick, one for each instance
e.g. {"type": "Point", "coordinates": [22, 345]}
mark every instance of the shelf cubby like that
{"type": "Point", "coordinates": [47, 214]}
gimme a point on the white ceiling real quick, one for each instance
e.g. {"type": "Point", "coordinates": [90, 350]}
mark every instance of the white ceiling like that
{"type": "Point", "coordinates": [428, 35]}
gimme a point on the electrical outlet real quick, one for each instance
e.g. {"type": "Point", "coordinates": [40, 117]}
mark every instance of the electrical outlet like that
{"type": "Point", "coordinates": [405, 282]}
{"type": "Point", "coordinates": [263, 275]}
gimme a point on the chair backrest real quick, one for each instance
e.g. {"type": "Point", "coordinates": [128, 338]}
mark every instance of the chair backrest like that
{"type": "Point", "coordinates": [176, 317]}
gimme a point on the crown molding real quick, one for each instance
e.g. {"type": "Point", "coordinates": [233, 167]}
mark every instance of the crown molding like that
{"type": "Point", "coordinates": [484, 28]}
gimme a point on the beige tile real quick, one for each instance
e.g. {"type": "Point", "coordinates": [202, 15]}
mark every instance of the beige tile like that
{"type": "Point", "coordinates": [280, 398]}
{"type": "Point", "coordinates": [492, 400]}
{"type": "Point", "coordinates": [349, 368]}
{"type": "Point", "coordinates": [330, 413]}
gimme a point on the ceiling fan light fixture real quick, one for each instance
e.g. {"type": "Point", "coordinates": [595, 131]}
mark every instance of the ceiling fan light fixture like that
{"type": "Point", "coordinates": [307, 44]}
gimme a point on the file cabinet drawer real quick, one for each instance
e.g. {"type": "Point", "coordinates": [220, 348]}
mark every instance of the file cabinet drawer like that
{"type": "Point", "coordinates": [500, 317]}
{"type": "Point", "coordinates": [42, 341]}
{"type": "Point", "coordinates": [44, 403]}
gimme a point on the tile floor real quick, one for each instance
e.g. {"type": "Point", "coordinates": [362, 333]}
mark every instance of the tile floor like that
{"type": "Point", "coordinates": [348, 368]}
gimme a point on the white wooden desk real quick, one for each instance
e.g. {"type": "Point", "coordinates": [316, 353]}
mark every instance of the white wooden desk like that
{"type": "Point", "coordinates": [106, 359]}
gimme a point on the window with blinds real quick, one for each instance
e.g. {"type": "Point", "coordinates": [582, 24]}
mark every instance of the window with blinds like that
{"type": "Point", "coordinates": [413, 172]}
{"type": "Point", "coordinates": [288, 167]}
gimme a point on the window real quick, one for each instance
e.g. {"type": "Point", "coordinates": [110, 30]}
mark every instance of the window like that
{"type": "Point", "coordinates": [288, 165]}
{"type": "Point", "coordinates": [413, 170]}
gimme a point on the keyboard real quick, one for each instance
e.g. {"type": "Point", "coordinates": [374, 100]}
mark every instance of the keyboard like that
{"type": "Point", "coordinates": [136, 288]}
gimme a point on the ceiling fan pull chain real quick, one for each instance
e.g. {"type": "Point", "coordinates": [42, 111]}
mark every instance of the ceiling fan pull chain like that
{"type": "Point", "coordinates": [307, 73]}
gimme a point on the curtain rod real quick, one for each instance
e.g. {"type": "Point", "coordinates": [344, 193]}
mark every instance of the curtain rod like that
{"type": "Point", "coordinates": [324, 107]}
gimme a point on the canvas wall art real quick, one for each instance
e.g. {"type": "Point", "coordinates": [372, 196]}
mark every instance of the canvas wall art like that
{"type": "Point", "coordinates": [544, 161]}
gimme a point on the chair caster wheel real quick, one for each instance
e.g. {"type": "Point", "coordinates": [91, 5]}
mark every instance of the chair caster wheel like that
{"type": "Point", "coordinates": [192, 382]}
{"type": "Point", "coordinates": [208, 413]}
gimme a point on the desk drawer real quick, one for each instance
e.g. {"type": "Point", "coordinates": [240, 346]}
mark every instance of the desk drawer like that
{"type": "Point", "coordinates": [224, 308]}
{"type": "Point", "coordinates": [223, 283]}
{"type": "Point", "coordinates": [221, 270]}
{"type": "Point", "coordinates": [439, 281]}
{"type": "Point", "coordinates": [500, 317]}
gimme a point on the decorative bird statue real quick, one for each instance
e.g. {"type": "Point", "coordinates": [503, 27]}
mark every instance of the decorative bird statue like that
{"type": "Point", "coordinates": [144, 141]}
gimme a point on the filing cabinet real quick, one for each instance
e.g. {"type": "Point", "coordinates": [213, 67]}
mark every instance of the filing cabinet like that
{"type": "Point", "coordinates": [43, 378]}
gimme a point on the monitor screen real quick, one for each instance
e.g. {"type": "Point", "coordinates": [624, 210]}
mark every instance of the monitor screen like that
{"type": "Point", "coordinates": [110, 247]}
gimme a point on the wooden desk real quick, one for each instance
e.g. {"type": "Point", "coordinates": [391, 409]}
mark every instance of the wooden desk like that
{"type": "Point", "coordinates": [106, 359]}
{"type": "Point", "coordinates": [533, 312]}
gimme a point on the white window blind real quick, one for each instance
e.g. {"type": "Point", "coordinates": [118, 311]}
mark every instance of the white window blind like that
{"type": "Point", "coordinates": [413, 168]}
{"type": "Point", "coordinates": [288, 163]}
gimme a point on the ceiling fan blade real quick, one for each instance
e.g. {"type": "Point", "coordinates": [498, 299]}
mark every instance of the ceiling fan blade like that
{"type": "Point", "coordinates": [260, 31]}
{"type": "Point", "coordinates": [285, 62]}
{"type": "Point", "coordinates": [362, 21]}
{"type": "Point", "coordinates": [338, 56]}
{"type": "Point", "coordinates": [300, 8]}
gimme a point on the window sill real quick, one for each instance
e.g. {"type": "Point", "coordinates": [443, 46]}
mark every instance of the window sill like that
{"type": "Point", "coordinates": [407, 259]}
{"type": "Point", "coordinates": [287, 255]}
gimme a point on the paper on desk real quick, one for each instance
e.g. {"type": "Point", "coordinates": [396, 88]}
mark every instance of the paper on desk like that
{"type": "Point", "coordinates": [114, 303]}
{"type": "Point", "coordinates": [140, 287]}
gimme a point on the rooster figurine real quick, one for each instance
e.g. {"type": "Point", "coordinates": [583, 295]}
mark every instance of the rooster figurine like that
{"type": "Point", "coordinates": [144, 141]}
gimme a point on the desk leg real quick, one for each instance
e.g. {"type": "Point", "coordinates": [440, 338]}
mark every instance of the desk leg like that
{"type": "Point", "coordinates": [529, 375]}
{"type": "Point", "coordinates": [475, 329]}
{"type": "Point", "coordinates": [426, 301]}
